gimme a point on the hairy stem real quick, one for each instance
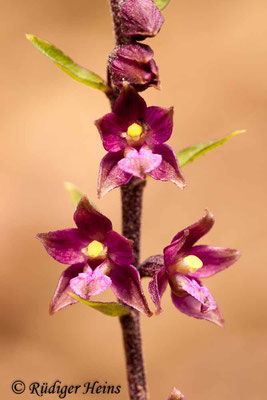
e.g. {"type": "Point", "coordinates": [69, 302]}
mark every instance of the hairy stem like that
{"type": "Point", "coordinates": [132, 210]}
{"type": "Point", "coordinates": [134, 358]}
{"type": "Point", "coordinates": [131, 196]}
{"type": "Point", "coordinates": [131, 220]}
{"type": "Point", "coordinates": [115, 9]}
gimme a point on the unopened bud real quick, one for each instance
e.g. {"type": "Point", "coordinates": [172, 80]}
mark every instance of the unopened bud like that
{"type": "Point", "coordinates": [134, 64]}
{"type": "Point", "coordinates": [140, 19]}
{"type": "Point", "coordinates": [176, 395]}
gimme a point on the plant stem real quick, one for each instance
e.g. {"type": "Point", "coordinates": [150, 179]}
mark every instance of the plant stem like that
{"type": "Point", "coordinates": [131, 210]}
{"type": "Point", "coordinates": [115, 9]}
{"type": "Point", "coordinates": [131, 195]}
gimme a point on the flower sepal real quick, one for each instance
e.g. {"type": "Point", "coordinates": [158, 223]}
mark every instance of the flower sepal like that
{"type": "Point", "coordinates": [140, 19]}
{"type": "Point", "coordinates": [134, 63]}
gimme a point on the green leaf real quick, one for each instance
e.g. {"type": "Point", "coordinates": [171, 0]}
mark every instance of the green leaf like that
{"type": "Point", "coordinates": [189, 154]}
{"type": "Point", "coordinates": [64, 62]}
{"type": "Point", "coordinates": [110, 309]}
{"type": "Point", "coordinates": [161, 3]}
{"type": "Point", "coordinates": [74, 192]}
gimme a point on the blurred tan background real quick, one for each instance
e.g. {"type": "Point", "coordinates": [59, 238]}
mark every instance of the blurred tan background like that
{"type": "Point", "coordinates": [212, 59]}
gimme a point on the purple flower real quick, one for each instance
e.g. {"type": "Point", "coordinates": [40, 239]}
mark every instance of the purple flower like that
{"type": "Point", "coordinates": [134, 136]}
{"type": "Point", "coordinates": [99, 258]}
{"type": "Point", "coordinates": [134, 64]}
{"type": "Point", "coordinates": [182, 266]}
{"type": "Point", "coordinates": [140, 19]}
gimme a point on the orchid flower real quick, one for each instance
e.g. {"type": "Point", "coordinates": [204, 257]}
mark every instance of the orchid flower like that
{"type": "Point", "coordinates": [183, 265]}
{"type": "Point", "coordinates": [98, 256]}
{"type": "Point", "coordinates": [134, 136]}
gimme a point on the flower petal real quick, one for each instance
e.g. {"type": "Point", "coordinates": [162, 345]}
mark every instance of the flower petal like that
{"type": "Point", "coordinates": [110, 175]}
{"type": "Point", "coordinates": [172, 252]}
{"type": "Point", "coordinates": [90, 283]}
{"type": "Point", "coordinates": [148, 160]}
{"type": "Point", "coordinates": [169, 169]}
{"type": "Point", "coordinates": [180, 284]}
{"type": "Point", "coordinates": [137, 52]}
{"type": "Point", "coordinates": [65, 245]}
{"type": "Point", "coordinates": [215, 259]}
{"type": "Point", "coordinates": [140, 163]}
{"type": "Point", "coordinates": [157, 287]}
{"type": "Point", "coordinates": [119, 249]}
{"type": "Point", "coordinates": [160, 121]}
{"type": "Point", "coordinates": [61, 298]}
{"type": "Point", "coordinates": [129, 106]}
{"type": "Point", "coordinates": [126, 284]}
{"type": "Point", "coordinates": [131, 164]}
{"type": "Point", "coordinates": [190, 306]}
{"type": "Point", "coordinates": [194, 299]}
{"type": "Point", "coordinates": [110, 127]}
{"type": "Point", "coordinates": [91, 222]}
{"type": "Point", "coordinates": [196, 231]}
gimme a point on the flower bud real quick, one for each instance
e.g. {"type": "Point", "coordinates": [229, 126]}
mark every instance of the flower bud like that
{"type": "Point", "coordinates": [176, 395]}
{"type": "Point", "coordinates": [140, 19]}
{"type": "Point", "coordinates": [134, 64]}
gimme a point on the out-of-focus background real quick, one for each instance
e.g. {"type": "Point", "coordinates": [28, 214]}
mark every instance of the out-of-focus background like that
{"type": "Point", "coordinates": [212, 60]}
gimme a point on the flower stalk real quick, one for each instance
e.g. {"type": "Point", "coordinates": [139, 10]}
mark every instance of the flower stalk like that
{"type": "Point", "coordinates": [131, 197]}
{"type": "Point", "coordinates": [134, 356]}
{"type": "Point", "coordinates": [115, 10]}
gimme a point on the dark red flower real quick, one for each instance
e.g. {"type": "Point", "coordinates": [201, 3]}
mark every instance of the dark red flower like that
{"type": "Point", "coordinates": [134, 136]}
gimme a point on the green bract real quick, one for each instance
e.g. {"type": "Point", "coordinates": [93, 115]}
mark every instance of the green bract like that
{"type": "Point", "coordinates": [161, 3]}
{"type": "Point", "coordinates": [110, 309]}
{"type": "Point", "coordinates": [74, 193]}
{"type": "Point", "coordinates": [189, 154]}
{"type": "Point", "coordinates": [65, 63]}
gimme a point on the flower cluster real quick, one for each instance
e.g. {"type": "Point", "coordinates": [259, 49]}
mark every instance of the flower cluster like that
{"type": "Point", "coordinates": [134, 62]}
{"type": "Point", "coordinates": [134, 136]}
{"type": "Point", "coordinates": [100, 258]}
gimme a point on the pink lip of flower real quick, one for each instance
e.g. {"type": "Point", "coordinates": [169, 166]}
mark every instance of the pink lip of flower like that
{"type": "Point", "coordinates": [140, 19]}
{"type": "Point", "coordinates": [90, 283]}
{"type": "Point", "coordinates": [188, 293]}
{"type": "Point", "coordinates": [134, 136]}
{"type": "Point", "coordinates": [99, 258]}
{"type": "Point", "coordinates": [85, 282]}
{"type": "Point", "coordinates": [134, 63]}
{"type": "Point", "coordinates": [140, 163]}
